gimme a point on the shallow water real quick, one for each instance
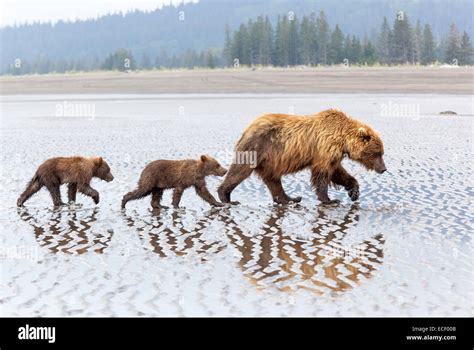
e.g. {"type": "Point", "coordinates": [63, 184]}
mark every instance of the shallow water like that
{"type": "Point", "coordinates": [404, 249]}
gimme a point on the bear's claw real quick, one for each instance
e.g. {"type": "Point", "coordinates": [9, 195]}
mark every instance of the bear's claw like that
{"type": "Point", "coordinates": [353, 193]}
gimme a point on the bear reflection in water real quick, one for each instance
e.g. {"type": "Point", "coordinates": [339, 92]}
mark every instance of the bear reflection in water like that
{"type": "Point", "coordinates": [171, 238]}
{"type": "Point", "coordinates": [71, 236]}
{"type": "Point", "coordinates": [320, 263]}
{"type": "Point", "coordinates": [271, 254]}
{"type": "Point", "coordinates": [271, 257]}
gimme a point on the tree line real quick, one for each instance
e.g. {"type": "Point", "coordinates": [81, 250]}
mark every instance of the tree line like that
{"type": "Point", "coordinates": [290, 42]}
{"type": "Point", "coordinates": [310, 41]}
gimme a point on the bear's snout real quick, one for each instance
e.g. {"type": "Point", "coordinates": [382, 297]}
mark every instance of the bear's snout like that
{"type": "Point", "coordinates": [222, 171]}
{"type": "Point", "coordinates": [380, 167]}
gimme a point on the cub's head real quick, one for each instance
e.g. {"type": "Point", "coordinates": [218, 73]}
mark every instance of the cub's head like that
{"type": "Point", "coordinates": [366, 147]}
{"type": "Point", "coordinates": [102, 169]}
{"type": "Point", "coordinates": [211, 166]}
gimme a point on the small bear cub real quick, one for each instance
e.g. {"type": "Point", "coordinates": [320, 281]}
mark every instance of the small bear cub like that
{"type": "Point", "coordinates": [160, 175]}
{"type": "Point", "coordinates": [77, 172]}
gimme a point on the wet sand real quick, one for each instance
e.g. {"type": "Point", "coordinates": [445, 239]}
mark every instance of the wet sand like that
{"type": "Point", "coordinates": [406, 80]}
{"type": "Point", "coordinates": [404, 249]}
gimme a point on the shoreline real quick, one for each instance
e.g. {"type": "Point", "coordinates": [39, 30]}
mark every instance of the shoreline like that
{"type": "Point", "coordinates": [321, 80]}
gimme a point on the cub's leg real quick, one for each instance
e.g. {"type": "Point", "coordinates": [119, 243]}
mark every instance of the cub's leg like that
{"type": "Point", "coordinates": [33, 186]}
{"type": "Point", "coordinates": [137, 194]}
{"type": "Point", "coordinates": [341, 177]}
{"type": "Point", "coordinates": [177, 193]}
{"type": "Point", "coordinates": [55, 192]}
{"type": "Point", "coordinates": [156, 195]}
{"type": "Point", "coordinates": [203, 192]}
{"type": "Point", "coordinates": [71, 192]}
{"type": "Point", "coordinates": [89, 191]}
{"type": "Point", "coordinates": [320, 181]}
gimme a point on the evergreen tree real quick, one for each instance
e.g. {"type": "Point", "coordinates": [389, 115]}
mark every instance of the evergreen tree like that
{"type": "Point", "coordinates": [402, 40]}
{"type": "Point", "coordinates": [241, 46]}
{"type": "Point", "coordinates": [268, 42]}
{"type": "Point", "coordinates": [383, 45]}
{"type": "Point", "coordinates": [336, 47]}
{"type": "Point", "coordinates": [348, 49]}
{"type": "Point", "coordinates": [121, 60]}
{"type": "Point", "coordinates": [356, 53]}
{"type": "Point", "coordinates": [465, 51]}
{"type": "Point", "coordinates": [227, 53]}
{"type": "Point", "coordinates": [417, 42]}
{"type": "Point", "coordinates": [453, 45]}
{"type": "Point", "coordinates": [293, 47]}
{"type": "Point", "coordinates": [282, 56]}
{"type": "Point", "coordinates": [427, 46]}
{"type": "Point", "coordinates": [369, 54]}
{"type": "Point", "coordinates": [322, 27]}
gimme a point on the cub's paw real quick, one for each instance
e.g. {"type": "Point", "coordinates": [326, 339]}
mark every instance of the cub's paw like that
{"type": "Point", "coordinates": [96, 199]}
{"type": "Point", "coordinates": [218, 205]}
{"type": "Point", "coordinates": [353, 193]}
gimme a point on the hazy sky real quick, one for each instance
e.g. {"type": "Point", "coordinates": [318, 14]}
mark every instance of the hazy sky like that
{"type": "Point", "coordinates": [21, 11]}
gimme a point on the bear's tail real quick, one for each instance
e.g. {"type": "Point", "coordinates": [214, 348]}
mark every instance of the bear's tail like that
{"type": "Point", "coordinates": [33, 186]}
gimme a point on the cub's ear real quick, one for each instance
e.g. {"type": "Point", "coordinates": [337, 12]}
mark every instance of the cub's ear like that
{"type": "Point", "coordinates": [363, 134]}
{"type": "Point", "coordinates": [204, 158]}
{"type": "Point", "coordinates": [98, 161]}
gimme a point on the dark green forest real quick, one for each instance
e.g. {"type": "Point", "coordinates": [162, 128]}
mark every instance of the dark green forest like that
{"type": "Point", "coordinates": [232, 34]}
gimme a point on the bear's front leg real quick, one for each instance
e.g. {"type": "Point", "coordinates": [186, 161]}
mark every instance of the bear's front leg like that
{"type": "Point", "coordinates": [204, 193]}
{"type": "Point", "coordinates": [89, 191]}
{"type": "Point", "coordinates": [320, 181]}
{"type": "Point", "coordinates": [341, 177]}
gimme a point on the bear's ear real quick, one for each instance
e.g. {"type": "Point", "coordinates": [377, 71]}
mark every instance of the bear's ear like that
{"type": "Point", "coordinates": [204, 158]}
{"type": "Point", "coordinates": [98, 161]}
{"type": "Point", "coordinates": [363, 134]}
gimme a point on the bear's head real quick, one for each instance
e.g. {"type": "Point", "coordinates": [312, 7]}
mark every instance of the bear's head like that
{"type": "Point", "coordinates": [366, 147]}
{"type": "Point", "coordinates": [102, 170]}
{"type": "Point", "coordinates": [210, 166]}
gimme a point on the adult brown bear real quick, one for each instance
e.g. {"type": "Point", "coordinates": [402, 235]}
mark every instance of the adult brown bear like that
{"type": "Point", "coordinates": [286, 144]}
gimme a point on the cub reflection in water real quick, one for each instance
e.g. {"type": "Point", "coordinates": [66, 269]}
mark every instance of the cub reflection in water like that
{"type": "Point", "coordinates": [320, 263]}
{"type": "Point", "coordinates": [73, 236]}
{"type": "Point", "coordinates": [169, 235]}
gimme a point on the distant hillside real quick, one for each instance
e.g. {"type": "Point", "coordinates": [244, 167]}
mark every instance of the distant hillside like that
{"type": "Point", "coordinates": [203, 26]}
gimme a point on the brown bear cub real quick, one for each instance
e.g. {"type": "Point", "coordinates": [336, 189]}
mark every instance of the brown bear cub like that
{"type": "Point", "coordinates": [286, 144]}
{"type": "Point", "coordinates": [77, 172]}
{"type": "Point", "coordinates": [178, 174]}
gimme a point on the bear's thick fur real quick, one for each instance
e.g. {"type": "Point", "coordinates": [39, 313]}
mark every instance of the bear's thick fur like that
{"type": "Point", "coordinates": [178, 174]}
{"type": "Point", "coordinates": [286, 144]}
{"type": "Point", "coordinates": [77, 172]}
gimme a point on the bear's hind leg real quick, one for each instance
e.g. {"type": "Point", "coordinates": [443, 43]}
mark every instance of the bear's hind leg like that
{"type": "Point", "coordinates": [33, 187]}
{"type": "Point", "coordinates": [137, 194]}
{"type": "Point", "coordinates": [341, 177]}
{"type": "Point", "coordinates": [71, 192]}
{"type": "Point", "coordinates": [156, 196]}
{"type": "Point", "coordinates": [277, 191]}
{"type": "Point", "coordinates": [55, 192]}
{"type": "Point", "coordinates": [177, 193]}
{"type": "Point", "coordinates": [236, 174]}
